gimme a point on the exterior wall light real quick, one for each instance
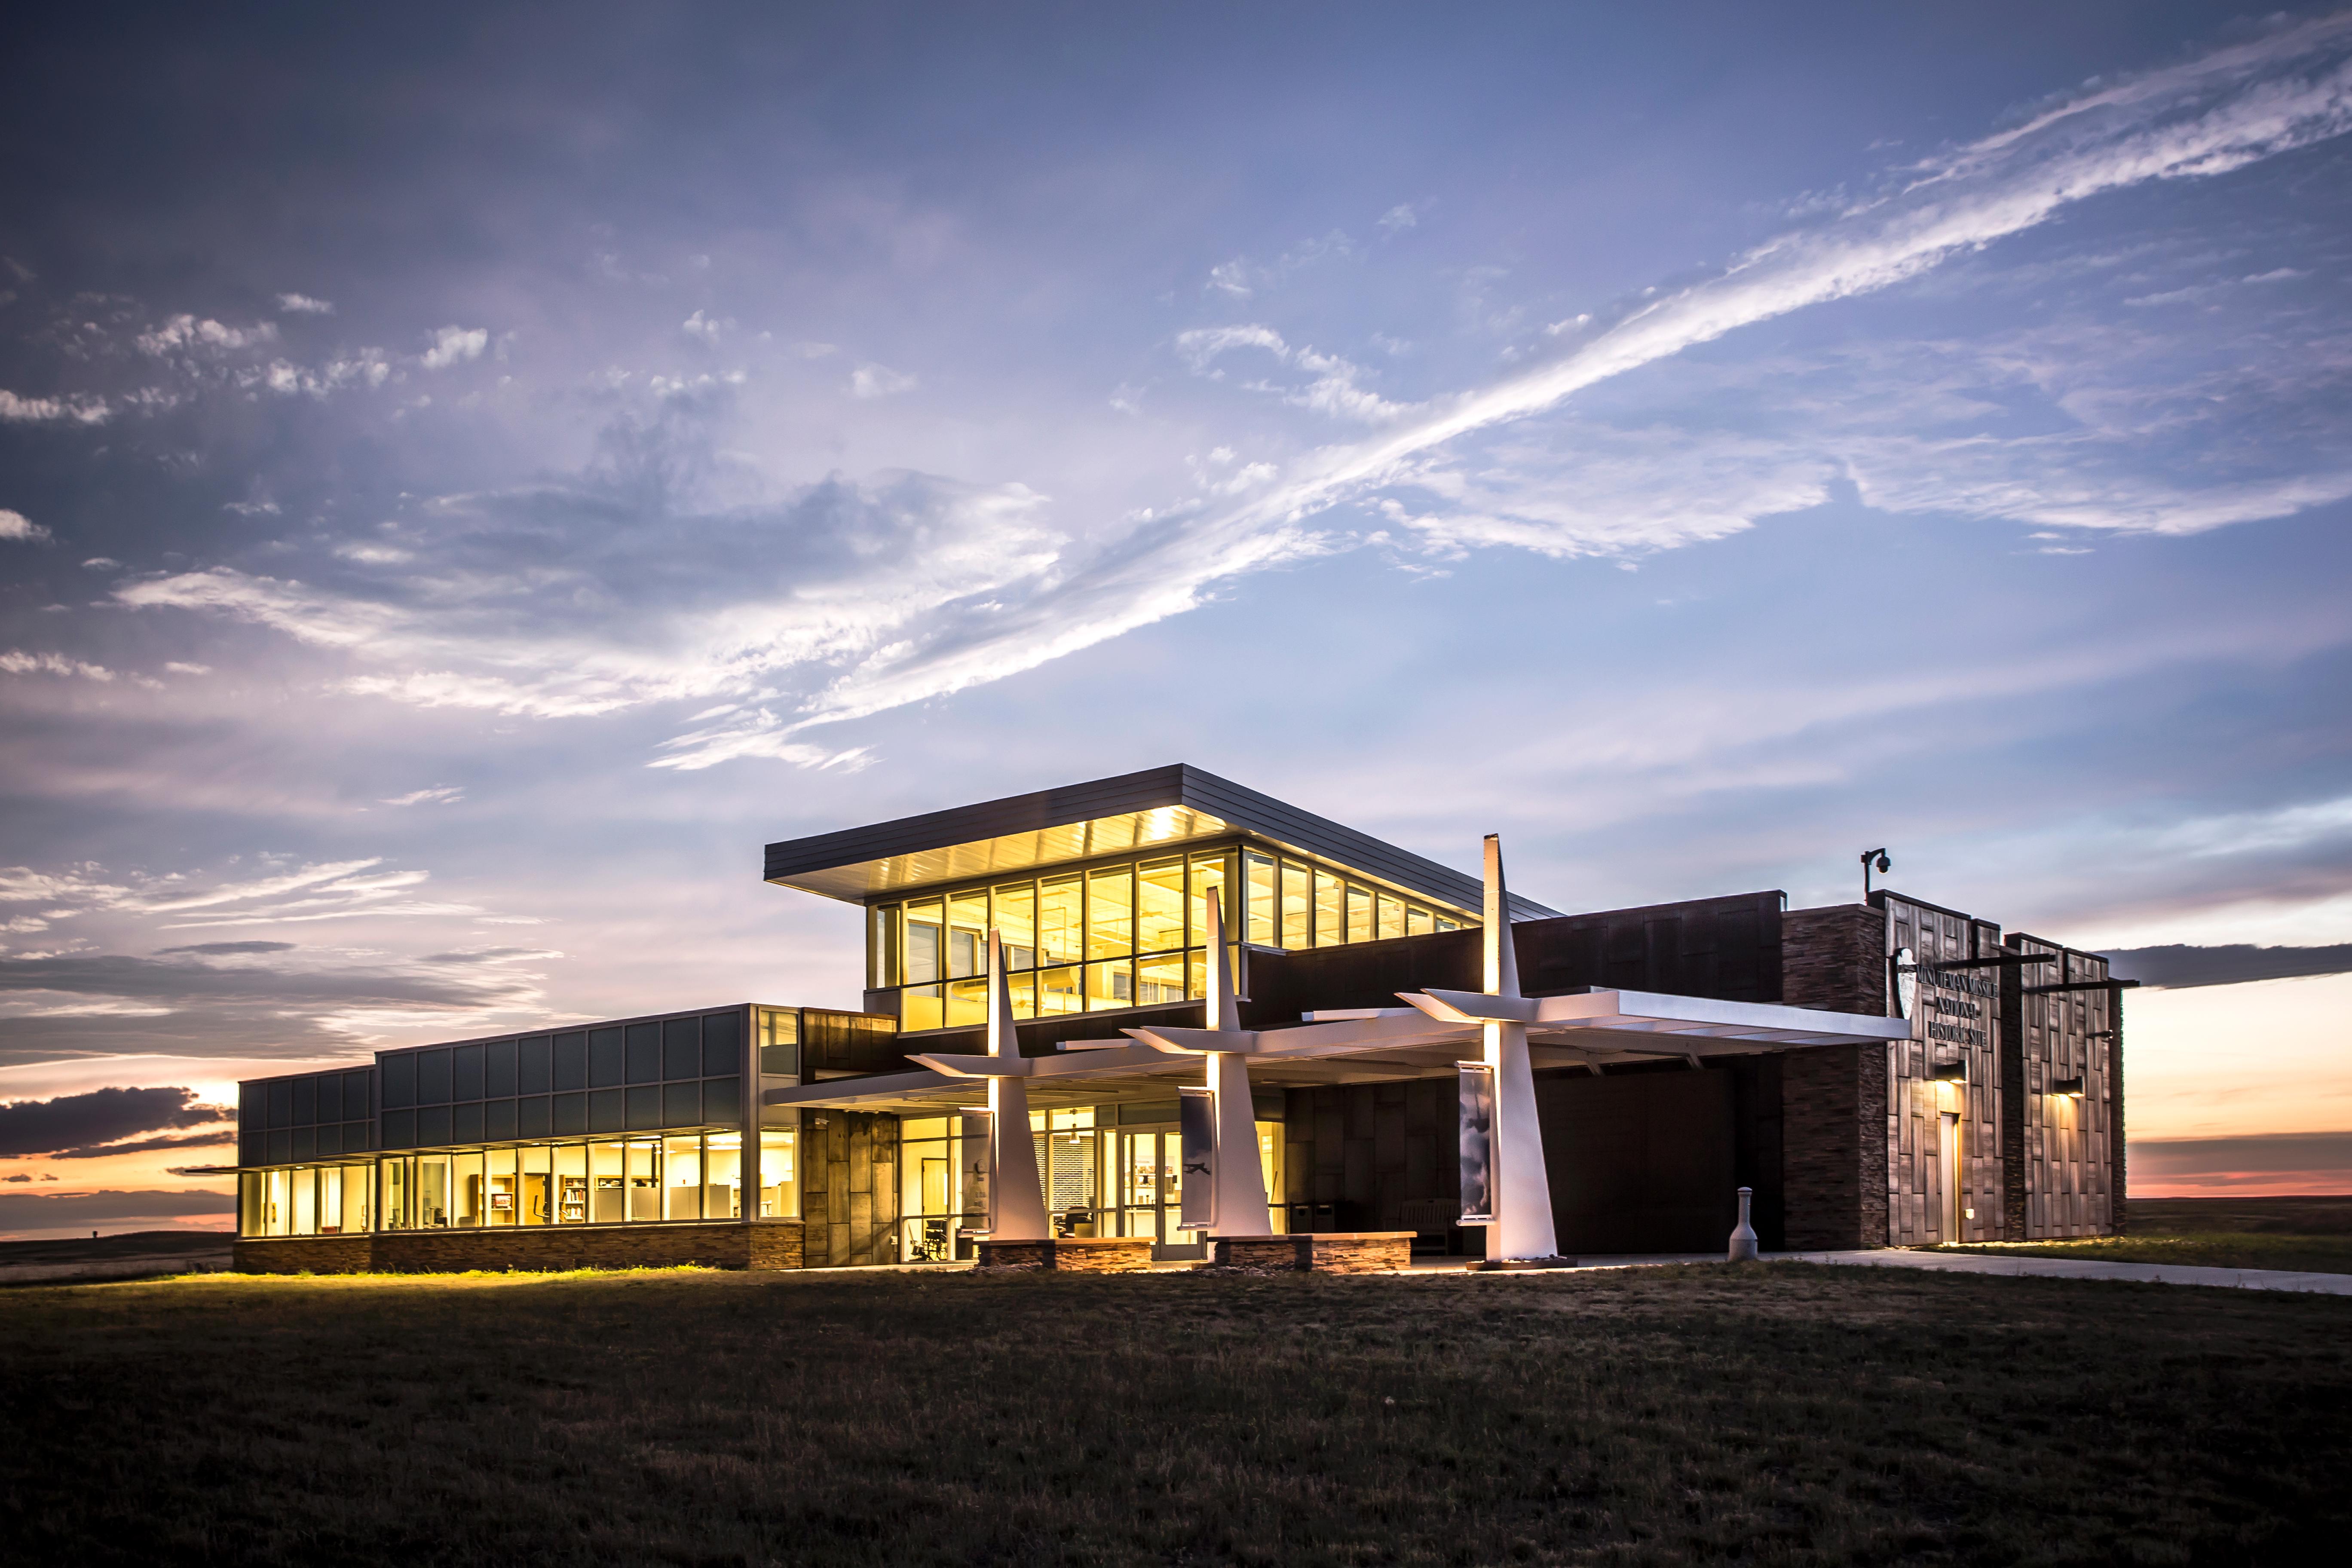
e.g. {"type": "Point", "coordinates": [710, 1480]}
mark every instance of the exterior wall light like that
{"type": "Point", "coordinates": [1952, 1072]}
{"type": "Point", "coordinates": [2071, 1087]}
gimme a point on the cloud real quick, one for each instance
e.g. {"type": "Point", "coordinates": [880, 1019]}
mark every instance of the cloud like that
{"type": "Point", "coordinates": [879, 381]}
{"type": "Point", "coordinates": [455, 345]}
{"type": "Point", "coordinates": [2293, 1162]}
{"type": "Point", "coordinates": [303, 305]}
{"type": "Point", "coordinates": [185, 333]}
{"type": "Point", "coordinates": [1398, 217]}
{"type": "Point", "coordinates": [2177, 966]}
{"type": "Point", "coordinates": [230, 949]}
{"type": "Point", "coordinates": [1333, 391]}
{"type": "Point", "coordinates": [439, 794]}
{"type": "Point", "coordinates": [15, 525]}
{"type": "Point", "coordinates": [15, 661]}
{"type": "Point", "coordinates": [79, 408]}
{"type": "Point", "coordinates": [75, 1125]}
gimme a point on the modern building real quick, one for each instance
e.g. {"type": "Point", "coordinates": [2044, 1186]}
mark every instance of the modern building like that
{"type": "Point", "coordinates": [1885, 1072]}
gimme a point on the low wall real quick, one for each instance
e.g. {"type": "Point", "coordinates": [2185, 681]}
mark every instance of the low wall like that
{"type": "Point", "coordinates": [304, 1254]}
{"type": "Point", "coordinates": [770, 1245]}
{"type": "Point", "coordinates": [1072, 1255]}
{"type": "Point", "coordinates": [1322, 1252]}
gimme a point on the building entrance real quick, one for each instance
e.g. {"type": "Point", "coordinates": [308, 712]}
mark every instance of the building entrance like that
{"type": "Point", "coordinates": [1152, 1194]}
{"type": "Point", "coordinates": [1950, 1159]}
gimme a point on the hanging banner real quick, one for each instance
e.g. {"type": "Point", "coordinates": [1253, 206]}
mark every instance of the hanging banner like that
{"type": "Point", "coordinates": [1477, 1143]}
{"type": "Point", "coordinates": [977, 1160]}
{"type": "Point", "coordinates": [1196, 1124]}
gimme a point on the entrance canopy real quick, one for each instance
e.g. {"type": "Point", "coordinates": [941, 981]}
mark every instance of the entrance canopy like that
{"type": "Point", "coordinates": [1427, 1040]}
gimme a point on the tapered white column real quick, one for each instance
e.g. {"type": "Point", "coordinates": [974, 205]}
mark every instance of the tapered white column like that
{"type": "Point", "coordinates": [1240, 1180]}
{"type": "Point", "coordinates": [1523, 1227]}
{"type": "Point", "coordinates": [1016, 1196]}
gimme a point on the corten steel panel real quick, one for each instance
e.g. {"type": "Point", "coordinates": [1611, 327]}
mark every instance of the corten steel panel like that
{"type": "Point", "coordinates": [2072, 1183]}
{"type": "Point", "coordinates": [838, 865]}
{"type": "Point", "coordinates": [1728, 949]}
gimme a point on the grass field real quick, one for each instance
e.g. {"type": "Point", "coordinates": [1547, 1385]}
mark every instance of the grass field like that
{"type": "Point", "coordinates": [2309, 1234]}
{"type": "Point", "coordinates": [1782, 1413]}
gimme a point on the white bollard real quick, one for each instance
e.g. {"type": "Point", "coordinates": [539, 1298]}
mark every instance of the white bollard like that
{"type": "Point", "coordinates": [1743, 1240]}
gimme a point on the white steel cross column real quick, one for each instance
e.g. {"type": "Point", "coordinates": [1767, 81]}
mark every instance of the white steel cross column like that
{"type": "Point", "coordinates": [1523, 1222]}
{"type": "Point", "coordinates": [1017, 1200]}
{"type": "Point", "coordinates": [1239, 1182]}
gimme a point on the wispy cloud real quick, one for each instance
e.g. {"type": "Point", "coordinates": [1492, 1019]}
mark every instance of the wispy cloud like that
{"type": "Point", "coordinates": [15, 525]}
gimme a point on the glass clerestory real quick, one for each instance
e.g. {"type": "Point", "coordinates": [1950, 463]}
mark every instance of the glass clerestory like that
{"type": "Point", "coordinates": [1129, 933]}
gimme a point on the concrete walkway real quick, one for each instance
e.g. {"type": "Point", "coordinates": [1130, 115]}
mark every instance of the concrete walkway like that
{"type": "Point", "coordinates": [2082, 1269]}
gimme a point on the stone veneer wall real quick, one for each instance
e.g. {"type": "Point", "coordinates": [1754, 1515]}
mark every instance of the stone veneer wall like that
{"type": "Point", "coordinates": [1833, 1098]}
{"type": "Point", "coordinates": [768, 1244]}
{"type": "Point", "coordinates": [849, 1187]}
{"type": "Point", "coordinates": [1323, 1252]}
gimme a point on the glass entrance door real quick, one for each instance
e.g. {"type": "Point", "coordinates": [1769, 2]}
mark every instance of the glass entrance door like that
{"type": "Point", "coordinates": [1150, 1191]}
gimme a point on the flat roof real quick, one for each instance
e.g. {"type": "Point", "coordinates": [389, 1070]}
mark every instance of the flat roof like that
{"type": "Point", "coordinates": [1157, 807]}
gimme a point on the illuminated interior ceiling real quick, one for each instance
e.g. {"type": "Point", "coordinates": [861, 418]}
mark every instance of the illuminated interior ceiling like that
{"type": "Point", "coordinates": [1157, 808]}
{"type": "Point", "coordinates": [983, 858]}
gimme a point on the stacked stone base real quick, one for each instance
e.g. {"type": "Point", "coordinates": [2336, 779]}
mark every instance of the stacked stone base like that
{"type": "Point", "coordinates": [769, 1245]}
{"type": "Point", "coordinates": [1320, 1252]}
{"type": "Point", "coordinates": [1071, 1254]}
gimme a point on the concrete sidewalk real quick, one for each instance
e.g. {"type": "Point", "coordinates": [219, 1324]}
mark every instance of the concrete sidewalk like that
{"type": "Point", "coordinates": [2081, 1268]}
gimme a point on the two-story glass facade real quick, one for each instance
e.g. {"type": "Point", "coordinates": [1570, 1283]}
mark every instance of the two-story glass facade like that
{"type": "Point", "coordinates": [1125, 933]}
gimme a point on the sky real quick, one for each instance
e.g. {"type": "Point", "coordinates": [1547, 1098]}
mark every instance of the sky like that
{"type": "Point", "coordinates": [469, 478]}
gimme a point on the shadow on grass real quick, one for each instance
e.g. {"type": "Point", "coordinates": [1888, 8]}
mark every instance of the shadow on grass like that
{"type": "Point", "coordinates": [1772, 1414]}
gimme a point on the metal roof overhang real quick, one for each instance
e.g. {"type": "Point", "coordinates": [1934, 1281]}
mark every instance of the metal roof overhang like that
{"type": "Point", "coordinates": [1157, 808]}
{"type": "Point", "coordinates": [1381, 1045]}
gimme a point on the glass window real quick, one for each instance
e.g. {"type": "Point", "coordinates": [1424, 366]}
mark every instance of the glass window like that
{"type": "Point", "coordinates": [500, 1208]}
{"type": "Point", "coordinates": [304, 1108]}
{"type": "Point", "coordinates": [607, 1111]}
{"type": "Point", "coordinates": [722, 1176]}
{"type": "Point", "coordinates": [1443, 924]}
{"type": "Point", "coordinates": [1110, 985]}
{"type": "Point", "coordinates": [968, 934]}
{"type": "Point", "coordinates": [681, 1104]}
{"type": "Point", "coordinates": [1022, 987]}
{"type": "Point", "coordinates": [1389, 920]}
{"type": "Point", "coordinates": [723, 1044]}
{"type": "Point", "coordinates": [248, 1204]}
{"type": "Point", "coordinates": [722, 1099]}
{"type": "Point", "coordinates": [433, 1078]}
{"type": "Point", "coordinates": [536, 1184]}
{"type": "Point", "coordinates": [1330, 924]}
{"type": "Point", "coordinates": [1296, 905]}
{"type": "Point", "coordinates": [779, 1042]}
{"type": "Point", "coordinates": [435, 1209]}
{"type": "Point", "coordinates": [466, 1186]}
{"type": "Point", "coordinates": [607, 1184]}
{"type": "Point", "coordinates": [645, 1180]}
{"type": "Point", "coordinates": [1359, 913]}
{"type": "Point", "coordinates": [967, 1003]}
{"type": "Point", "coordinates": [779, 1172]}
{"type": "Point", "coordinates": [1057, 991]}
{"type": "Point", "coordinates": [304, 1185]}
{"type": "Point", "coordinates": [607, 1062]}
{"type": "Point", "coordinates": [1210, 875]}
{"type": "Point", "coordinates": [882, 952]}
{"type": "Point", "coordinates": [921, 1007]}
{"type": "Point", "coordinates": [399, 1188]}
{"type": "Point", "coordinates": [922, 943]}
{"type": "Point", "coordinates": [644, 1107]}
{"type": "Point", "coordinates": [928, 1182]}
{"type": "Point", "coordinates": [1160, 906]}
{"type": "Point", "coordinates": [1110, 913]}
{"type": "Point", "coordinates": [1057, 921]}
{"type": "Point", "coordinates": [682, 1171]}
{"type": "Point", "coordinates": [681, 1049]}
{"type": "Point", "coordinates": [534, 1117]}
{"type": "Point", "coordinates": [1160, 979]}
{"type": "Point", "coordinates": [1016, 917]}
{"type": "Point", "coordinates": [1416, 920]}
{"type": "Point", "coordinates": [276, 1203]}
{"type": "Point", "coordinates": [1263, 921]}
{"type": "Point", "coordinates": [399, 1082]}
{"type": "Point", "coordinates": [571, 1183]}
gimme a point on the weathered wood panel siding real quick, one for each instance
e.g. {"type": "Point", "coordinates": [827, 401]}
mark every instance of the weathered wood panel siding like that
{"type": "Point", "coordinates": [1956, 1021]}
{"type": "Point", "coordinates": [2068, 1173]}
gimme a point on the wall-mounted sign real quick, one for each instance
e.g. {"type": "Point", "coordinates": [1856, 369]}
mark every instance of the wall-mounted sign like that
{"type": "Point", "coordinates": [1906, 981]}
{"type": "Point", "coordinates": [1196, 1139]}
{"type": "Point", "coordinates": [1477, 1143]}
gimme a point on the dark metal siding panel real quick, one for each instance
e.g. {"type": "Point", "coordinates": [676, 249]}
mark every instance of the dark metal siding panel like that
{"type": "Point", "coordinates": [1726, 947]}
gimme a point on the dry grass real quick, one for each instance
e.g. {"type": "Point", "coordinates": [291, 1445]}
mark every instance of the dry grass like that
{"type": "Point", "coordinates": [1786, 1414]}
